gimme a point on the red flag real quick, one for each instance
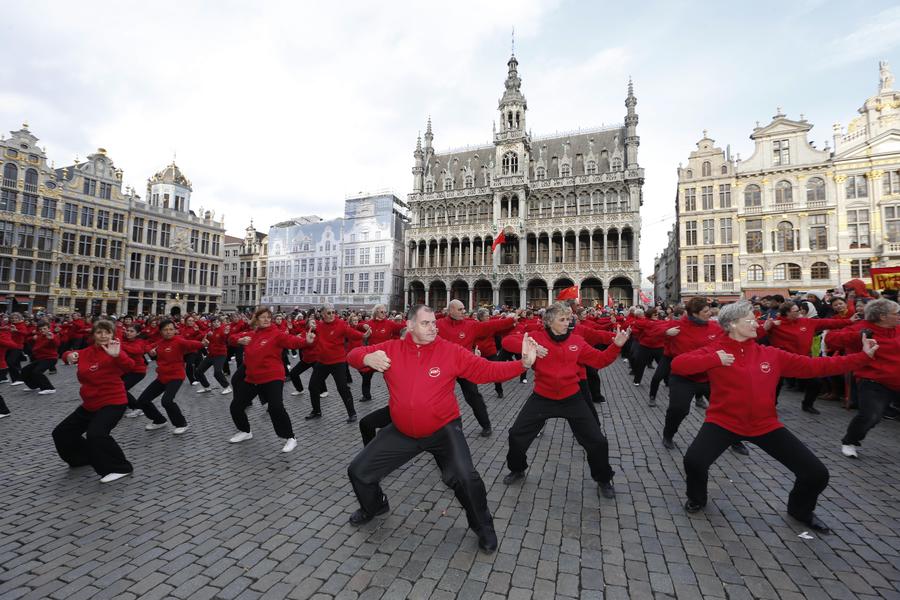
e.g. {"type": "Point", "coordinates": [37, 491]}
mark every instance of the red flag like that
{"type": "Point", "coordinates": [570, 293]}
{"type": "Point", "coordinates": [644, 298]}
{"type": "Point", "coordinates": [611, 302]}
{"type": "Point", "coordinates": [499, 240]}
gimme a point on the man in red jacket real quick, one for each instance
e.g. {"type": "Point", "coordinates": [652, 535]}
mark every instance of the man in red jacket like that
{"type": "Point", "coordinates": [460, 330]}
{"type": "Point", "coordinates": [421, 371]}
{"type": "Point", "coordinates": [383, 329]}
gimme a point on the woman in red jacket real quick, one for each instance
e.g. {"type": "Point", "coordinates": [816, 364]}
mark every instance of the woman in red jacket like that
{"type": "Point", "coordinates": [43, 352]}
{"type": "Point", "coordinates": [263, 376]}
{"type": "Point", "coordinates": [217, 354]}
{"type": "Point", "coordinates": [5, 343]}
{"type": "Point", "coordinates": [743, 376]}
{"type": "Point", "coordinates": [651, 337]}
{"type": "Point", "coordinates": [192, 331]}
{"type": "Point", "coordinates": [83, 438]}
{"type": "Point", "coordinates": [169, 354]}
{"type": "Point", "coordinates": [135, 348]}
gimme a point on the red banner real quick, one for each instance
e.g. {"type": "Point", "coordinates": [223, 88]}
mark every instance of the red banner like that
{"type": "Point", "coordinates": [570, 293]}
{"type": "Point", "coordinates": [886, 278]}
{"type": "Point", "coordinates": [499, 240]}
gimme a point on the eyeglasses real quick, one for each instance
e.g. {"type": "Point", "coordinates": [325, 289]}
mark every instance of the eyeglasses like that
{"type": "Point", "coordinates": [327, 312]}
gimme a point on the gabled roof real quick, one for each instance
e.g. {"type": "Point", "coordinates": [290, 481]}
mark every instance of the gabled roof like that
{"type": "Point", "coordinates": [888, 142]}
{"type": "Point", "coordinates": [781, 125]}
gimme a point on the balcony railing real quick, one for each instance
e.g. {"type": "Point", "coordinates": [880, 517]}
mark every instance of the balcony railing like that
{"type": "Point", "coordinates": [891, 248]}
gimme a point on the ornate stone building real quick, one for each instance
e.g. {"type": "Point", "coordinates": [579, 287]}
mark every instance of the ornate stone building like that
{"type": "Point", "coordinates": [230, 275]}
{"type": "Point", "coordinates": [666, 276]}
{"type": "Point", "coordinates": [252, 257]}
{"type": "Point", "coordinates": [568, 205]}
{"type": "Point", "coordinates": [174, 255]}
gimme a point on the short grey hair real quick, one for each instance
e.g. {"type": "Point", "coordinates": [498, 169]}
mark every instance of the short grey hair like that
{"type": "Point", "coordinates": [328, 306]}
{"type": "Point", "coordinates": [876, 309]}
{"type": "Point", "coordinates": [483, 312]}
{"type": "Point", "coordinates": [377, 306]}
{"type": "Point", "coordinates": [556, 309]}
{"type": "Point", "coordinates": [638, 312]}
{"type": "Point", "coordinates": [413, 313]}
{"type": "Point", "coordinates": [732, 313]}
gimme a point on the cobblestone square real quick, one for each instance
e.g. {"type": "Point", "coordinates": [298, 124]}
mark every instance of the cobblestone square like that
{"type": "Point", "coordinates": [201, 518]}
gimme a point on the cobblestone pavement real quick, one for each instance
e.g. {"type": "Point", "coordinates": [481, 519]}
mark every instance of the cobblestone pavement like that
{"type": "Point", "coordinates": [202, 518]}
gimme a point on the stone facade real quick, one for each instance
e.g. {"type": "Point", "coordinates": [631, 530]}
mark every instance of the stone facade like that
{"type": "Point", "coordinates": [230, 275]}
{"type": "Point", "coordinates": [568, 205]}
{"type": "Point", "coordinates": [666, 276]}
{"type": "Point", "coordinates": [252, 257]}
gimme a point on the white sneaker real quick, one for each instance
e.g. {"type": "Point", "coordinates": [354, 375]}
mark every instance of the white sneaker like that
{"type": "Point", "coordinates": [195, 383]}
{"type": "Point", "coordinates": [130, 414]}
{"type": "Point", "coordinates": [524, 381]}
{"type": "Point", "coordinates": [46, 392]}
{"type": "Point", "coordinates": [226, 390]}
{"type": "Point", "coordinates": [849, 451]}
{"type": "Point", "coordinates": [204, 391]}
{"type": "Point", "coordinates": [289, 445]}
{"type": "Point", "coordinates": [113, 477]}
{"type": "Point", "coordinates": [323, 395]}
{"type": "Point", "coordinates": [151, 426]}
{"type": "Point", "coordinates": [296, 393]}
{"type": "Point", "coordinates": [7, 380]}
{"type": "Point", "coordinates": [4, 415]}
{"type": "Point", "coordinates": [17, 383]}
{"type": "Point", "coordinates": [241, 436]}
{"type": "Point", "coordinates": [179, 430]}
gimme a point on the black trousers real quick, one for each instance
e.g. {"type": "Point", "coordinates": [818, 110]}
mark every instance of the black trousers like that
{"type": "Point", "coordinates": [14, 363]}
{"type": "Point", "coordinates": [338, 372]}
{"type": "Point", "coordinates": [4, 410]}
{"type": "Point", "coordinates": [586, 394]}
{"type": "Point", "coordinates": [33, 374]}
{"type": "Point", "coordinates": [285, 358]}
{"type": "Point", "coordinates": [810, 387]}
{"type": "Point", "coordinates": [498, 386]}
{"type": "Point", "coordinates": [83, 438]}
{"type": "Point", "coordinates": [168, 391]}
{"type": "Point", "coordinates": [873, 399]}
{"type": "Point", "coordinates": [217, 363]}
{"type": "Point", "coordinates": [474, 399]}
{"type": "Point", "coordinates": [190, 365]}
{"type": "Point", "coordinates": [367, 384]}
{"type": "Point", "coordinates": [593, 383]}
{"type": "Point", "coordinates": [584, 425]}
{"type": "Point", "coordinates": [643, 357]}
{"type": "Point", "coordinates": [391, 449]}
{"type": "Point", "coordinates": [297, 370]}
{"type": "Point", "coordinates": [130, 380]}
{"type": "Point", "coordinates": [660, 374]}
{"type": "Point", "coordinates": [712, 440]}
{"type": "Point", "coordinates": [372, 422]}
{"type": "Point", "coordinates": [681, 393]}
{"type": "Point", "coordinates": [270, 394]}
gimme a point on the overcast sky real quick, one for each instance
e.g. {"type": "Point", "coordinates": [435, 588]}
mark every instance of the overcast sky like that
{"type": "Point", "coordinates": [277, 110]}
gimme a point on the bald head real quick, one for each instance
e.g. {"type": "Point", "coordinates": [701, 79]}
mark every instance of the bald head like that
{"type": "Point", "coordinates": [456, 310]}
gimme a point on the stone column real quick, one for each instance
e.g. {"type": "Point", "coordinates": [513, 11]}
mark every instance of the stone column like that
{"type": "Point", "coordinates": [523, 252]}
{"type": "Point", "coordinates": [471, 298]}
{"type": "Point", "coordinates": [549, 295]}
{"type": "Point", "coordinates": [427, 299]}
{"type": "Point", "coordinates": [448, 297]}
{"type": "Point", "coordinates": [496, 292]}
{"type": "Point", "coordinates": [578, 249]}
{"type": "Point", "coordinates": [522, 299]}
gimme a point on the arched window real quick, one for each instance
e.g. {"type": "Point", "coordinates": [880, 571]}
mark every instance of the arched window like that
{"type": "Point", "coordinates": [783, 192]}
{"type": "Point", "coordinates": [815, 189]}
{"type": "Point", "coordinates": [787, 271]}
{"type": "Point", "coordinates": [819, 270]}
{"type": "Point", "coordinates": [10, 175]}
{"type": "Point", "coordinates": [689, 174]}
{"type": "Point", "coordinates": [31, 181]}
{"type": "Point", "coordinates": [540, 173]}
{"type": "Point", "coordinates": [469, 181]}
{"type": "Point", "coordinates": [752, 195]}
{"type": "Point", "coordinates": [617, 164]}
{"type": "Point", "coordinates": [429, 187]}
{"type": "Point", "coordinates": [565, 171]}
{"type": "Point", "coordinates": [510, 163]}
{"type": "Point", "coordinates": [591, 168]}
{"type": "Point", "coordinates": [755, 273]}
{"type": "Point", "coordinates": [724, 169]}
{"type": "Point", "coordinates": [784, 237]}
{"type": "Point", "coordinates": [706, 169]}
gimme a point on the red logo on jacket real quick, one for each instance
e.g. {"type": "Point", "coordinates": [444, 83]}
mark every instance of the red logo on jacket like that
{"type": "Point", "coordinates": [263, 342]}
{"type": "Point", "coordinates": [765, 367]}
{"type": "Point", "coordinates": [94, 367]}
{"type": "Point", "coordinates": [462, 334]}
{"type": "Point", "coordinates": [434, 372]}
{"type": "Point", "coordinates": [168, 349]}
{"type": "Point", "coordinates": [573, 348]}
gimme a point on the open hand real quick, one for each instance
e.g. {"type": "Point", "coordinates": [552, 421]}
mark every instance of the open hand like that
{"type": "Point", "coordinates": [870, 346]}
{"type": "Point", "coordinates": [621, 337]}
{"type": "Point", "coordinates": [113, 348]}
{"type": "Point", "coordinates": [310, 337]}
{"type": "Point", "coordinates": [673, 331]}
{"type": "Point", "coordinates": [529, 351]}
{"type": "Point", "coordinates": [727, 359]}
{"type": "Point", "coordinates": [244, 340]}
{"type": "Point", "coordinates": [377, 360]}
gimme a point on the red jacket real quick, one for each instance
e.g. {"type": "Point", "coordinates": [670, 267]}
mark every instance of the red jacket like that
{"type": "Point", "coordinates": [192, 334]}
{"type": "Point", "coordinates": [262, 356]}
{"type": "Point", "coordinates": [100, 376]}
{"type": "Point", "coordinates": [330, 338]}
{"type": "Point", "coordinates": [742, 398]}
{"type": "Point", "coordinates": [421, 379]}
{"type": "Point", "coordinates": [218, 341]}
{"type": "Point", "coordinates": [691, 336]}
{"type": "Point", "coordinates": [170, 358]}
{"type": "Point", "coordinates": [44, 348]}
{"type": "Point", "coordinates": [885, 369]}
{"type": "Point", "coordinates": [796, 335]}
{"type": "Point", "coordinates": [237, 327]}
{"type": "Point", "coordinates": [653, 333]}
{"type": "Point", "coordinates": [465, 332]}
{"type": "Point", "coordinates": [135, 349]}
{"type": "Point", "coordinates": [383, 330]}
{"type": "Point", "coordinates": [556, 376]}
{"type": "Point", "coordinates": [487, 344]}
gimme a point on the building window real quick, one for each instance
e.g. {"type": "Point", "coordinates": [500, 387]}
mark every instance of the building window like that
{"type": "Point", "coordinates": [137, 230]}
{"type": "Point", "coordinates": [163, 271]}
{"type": "Point", "coordinates": [890, 183]}
{"type": "Point", "coordinates": [448, 184]}
{"type": "Point", "coordinates": [706, 169]}
{"type": "Point", "coordinates": [860, 267]}
{"type": "Point", "coordinates": [215, 245]}
{"type": "Point", "coordinates": [468, 182]}
{"type": "Point", "coordinates": [42, 272]}
{"type": "Point", "coordinates": [815, 189]}
{"type": "Point", "coordinates": [690, 199]}
{"type": "Point", "coordinates": [90, 187]}
{"type": "Point", "coordinates": [348, 283]}
{"type": "Point", "coordinates": [87, 216]}
{"type": "Point", "coordinates": [8, 200]}
{"type": "Point", "coordinates": [24, 270]}
{"type": "Point", "coordinates": [510, 163]}
{"type": "Point", "coordinates": [892, 223]}
{"type": "Point", "coordinates": [100, 247]}
{"type": "Point", "coordinates": [363, 256]}
{"type": "Point", "coordinates": [378, 283]}
{"type": "Point", "coordinates": [565, 171]}
{"type": "Point", "coordinates": [363, 283]}
{"type": "Point", "coordinates": [213, 275]}
{"type": "Point", "coordinates": [787, 271]}
{"type": "Point", "coordinates": [48, 209]}
{"type": "Point", "coordinates": [178, 270]}
{"type": "Point", "coordinates": [754, 236]}
{"type": "Point", "coordinates": [691, 269]}
{"type": "Point", "coordinates": [783, 192]}
{"type": "Point", "coordinates": [152, 230]}
{"type": "Point", "coordinates": [755, 273]}
{"type": "Point", "coordinates": [689, 174]}
{"type": "Point", "coordinates": [134, 267]}
{"type": "Point", "coordinates": [709, 268]}
{"type": "Point", "coordinates": [165, 235]}
{"type": "Point", "coordinates": [149, 267]}
{"type": "Point", "coordinates": [82, 277]}
{"type": "Point", "coordinates": [724, 170]}
{"type": "Point", "coordinates": [118, 223]}
{"type": "Point", "coordinates": [105, 190]}
{"type": "Point", "coordinates": [752, 195]}
{"type": "Point", "coordinates": [112, 280]}
{"type": "Point", "coordinates": [784, 237]}
{"type": "Point", "coordinates": [115, 250]}
{"type": "Point", "coordinates": [26, 236]}
{"type": "Point", "coordinates": [84, 245]}
{"type": "Point", "coordinates": [204, 243]}
{"type": "Point", "coordinates": [10, 176]}
{"type": "Point", "coordinates": [7, 234]}
{"type": "Point", "coordinates": [591, 168]}
{"type": "Point", "coordinates": [781, 154]}
{"type": "Point", "coordinates": [45, 239]}
{"type": "Point", "coordinates": [858, 227]}
{"type": "Point", "coordinates": [379, 255]}
{"type": "Point", "coordinates": [429, 187]}
{"type": "Point", "coordinates": [70, 214]}
{"type": "Point", "coordinates": [819, 270]}
{"type": "Point", "coordinates": [67, 244]}
{"type": "Point", "coordinates": [195, 239]}
{"type": "Point", "coordinates": [856, 187]}
{"type": "Point", "coordinates": [818, 232]}
{"type": "Point", "coordinates": [29, 204]}
{"type": "Point", "coordinates": [540, 173]}
{"type": "Point", "coordinates": [97, 277]}
{"type": "Point", "coordinates": [727, 267]}
{"type": "Point", "coordinates": [706, 193]}
{"type": "Point", "coordinates": [725, 231]}
{"type": "Point", "coordinates": [65, 275]}
{"type": "Point", "coordinates": [690, 233]}
{"type": "Point", "coordinates": [192, 272]}
{"type": "Point", "coordinates": [709, 232]}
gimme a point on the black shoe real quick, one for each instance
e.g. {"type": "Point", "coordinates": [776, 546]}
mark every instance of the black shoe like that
{"type": "Point", "coordinates": [668, 443]}
{"type": "Point", "coordinates": [487, 539]}
{"type": "Point", "coordinates": [52, 371]}
{"type": "Point", "coordinates": [652, 401]}
{"type": "Point", "coordinates": [602, 399]}
{"type": "Point", "coordinates": [607, 490]}
{"type": "Point", "coordinates": [351, 418]}
{"type": "Point", "coordinates": [366, 399]}
{"type": "Point", "coordinates": [361, 517]}
{"type": "Point", "coordinates": [513, 476]}
{"type": "Point", "coordinates": [313, 415]}
{"type": "Point", "coordinates": [486, 432]}
{"type": "Point", "coordinates": [816, 524]}
{"type": "Point", "coordinates": [812, 410]}
{"type": "Point", "coordinates": [692, 506]}
{"type": "Point", "coordinates": [499, 394]}
{"type": "Point", "coordinates": [740, 448]}
{"type": "Point", "coordinates": [701, 403]}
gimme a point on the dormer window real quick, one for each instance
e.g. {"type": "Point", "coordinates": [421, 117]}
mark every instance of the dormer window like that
{"type": "Point", "coordinates": [469, 181]}
{"type": "Point", "coordinates": [429, 187]}
{"type": "Point", "coordinates": [448, 184]}
{"type": "Point", "coordinates": [591, 168]}
{"type": "Point", "coordinates": [540, 173]}
{"type": "Point", "coordinates": [565, 171]}
{"type": "Point", "coordinates": [617, 164]}
{"type": "Point", "coordinates": [781, 154]}
{"type": "Point", "coordinates": [706, 169]}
